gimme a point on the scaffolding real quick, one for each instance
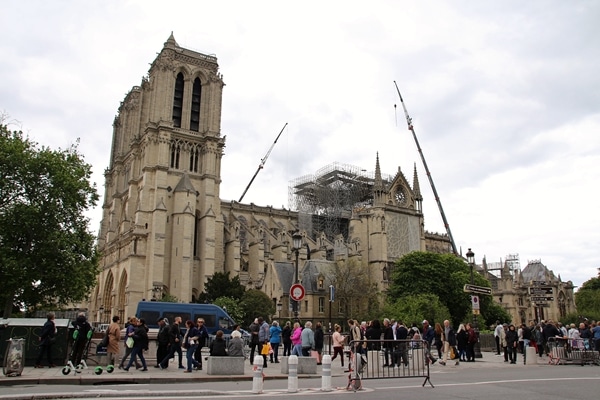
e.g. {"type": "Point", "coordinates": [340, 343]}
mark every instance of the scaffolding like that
{"type": "Point", "coordinates": [325, 200]}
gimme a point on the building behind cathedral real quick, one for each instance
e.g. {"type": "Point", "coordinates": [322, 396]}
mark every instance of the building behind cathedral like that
{"type": "Point", "coordinates": [165, 229]}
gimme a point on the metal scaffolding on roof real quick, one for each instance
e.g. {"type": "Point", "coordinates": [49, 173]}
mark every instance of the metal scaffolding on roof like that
{"type": "Point", "coordinates": [326, 199]}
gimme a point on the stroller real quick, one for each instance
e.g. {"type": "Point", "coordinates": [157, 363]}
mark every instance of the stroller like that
{"type": "Point", "coordinates": [81, 344]}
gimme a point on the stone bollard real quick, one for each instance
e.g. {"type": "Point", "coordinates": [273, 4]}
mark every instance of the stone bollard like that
{"type": "Point", "coordinates": [326, 374]}
{"type": "Point", "coordinates": [530, 356]}
{"type": "Point", "coordinates": [293, 374]}
{"type": "Point", "coordinates": [257, 375]}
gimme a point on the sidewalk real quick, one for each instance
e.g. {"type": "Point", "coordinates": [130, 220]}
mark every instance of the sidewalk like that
{"type": "Point", "coordinates": [54, 376]}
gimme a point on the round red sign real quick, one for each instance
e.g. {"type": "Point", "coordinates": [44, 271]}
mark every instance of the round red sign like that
{"type": "Point", "coordinates": [297, 292]}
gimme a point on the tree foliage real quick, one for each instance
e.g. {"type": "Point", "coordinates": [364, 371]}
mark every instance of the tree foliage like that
{"type": "Point", "coordinates": [587, 298]}
{"type": "Point", "coordinates": [47, 254]}
{"type": "Point", "coordinates": [256, 304]}
{"type": "Point", "coordinates": [443, 275]}
{"type": "Point", "coordinates": [415, 308]}
{"type": "Point", "coordinates": [221, 285]}
{"type": "Point", "coordinates": [232, 306]}
{"type": "Point", "coordinates": [354, 290]}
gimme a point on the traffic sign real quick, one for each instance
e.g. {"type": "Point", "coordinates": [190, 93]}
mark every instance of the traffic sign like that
{"type": "Point", "coordinates": [477, 289]}
{"type": "Point", "coordinates": [475, 302]}
{"type": "Point", "coordinates": [297, 292]}
{"type": "Point", "coordinates": [542, 290]}
{"type": "Point", "coordinates": [542, 298]}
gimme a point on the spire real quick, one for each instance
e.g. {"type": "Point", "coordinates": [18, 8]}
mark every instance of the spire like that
{"type": "Point", "coordinates": [416, 186]}
{"type": "Point", "coordinates": [171, 41]}
{"type": "Point", "coordinates": [378, 184]}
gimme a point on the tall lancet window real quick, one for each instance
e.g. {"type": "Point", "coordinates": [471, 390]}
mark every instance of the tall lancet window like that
{"type": "Point", "coordinates": [178, 101]}
{"type": "Point", "coordinates": [195, 114]}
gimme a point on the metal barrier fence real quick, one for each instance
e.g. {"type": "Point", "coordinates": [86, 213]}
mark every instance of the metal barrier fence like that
{"type": "Point", "coordinates": [382, 359]}
{"type": "Point", "coordinates": [572, 351]}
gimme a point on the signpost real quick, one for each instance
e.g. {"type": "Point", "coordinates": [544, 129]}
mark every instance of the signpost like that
{"type": "Point", "coordinates": [477, 289]}
{"type": "Point", "coordinates": [297, 292]}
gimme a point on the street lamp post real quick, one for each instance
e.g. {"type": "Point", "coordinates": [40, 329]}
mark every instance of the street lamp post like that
{"type": "Point", "coordinates": [477, 347]}
{"type": "Point", "coordinates": [297, 243]}
{"type": "Point", "coordinates": [279, 308]}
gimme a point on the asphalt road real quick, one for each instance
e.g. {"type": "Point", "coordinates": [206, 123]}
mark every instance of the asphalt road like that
{"type": "Point", "coordinates": [487, 381]}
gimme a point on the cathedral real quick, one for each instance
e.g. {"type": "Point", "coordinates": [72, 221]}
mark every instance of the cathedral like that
{"type": "Point", "coordinates": [165, 229]}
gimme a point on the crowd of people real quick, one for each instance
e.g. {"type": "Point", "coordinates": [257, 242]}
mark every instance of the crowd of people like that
{"type": "Point", "coordinates": [391, 337]}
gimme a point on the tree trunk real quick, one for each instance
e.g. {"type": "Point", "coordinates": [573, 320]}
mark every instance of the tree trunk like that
{"type": "Point", "coordinates": [8, 306]}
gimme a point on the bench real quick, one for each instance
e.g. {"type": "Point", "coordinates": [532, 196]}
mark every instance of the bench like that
{"type": "Point", "coordinates": [225, 365]}
{"type": "Point", "coordinates": [306, 365]}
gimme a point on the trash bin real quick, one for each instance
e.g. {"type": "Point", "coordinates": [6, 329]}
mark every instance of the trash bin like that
{"type": "Point", "coordinates": [14, 357]}
{"type": "Point", "coordinates": [29, 329]}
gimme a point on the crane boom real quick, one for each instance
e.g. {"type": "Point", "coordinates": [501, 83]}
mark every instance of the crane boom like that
{"type": "Point", "coordinates": [437, 198]}
{"type": "Point", "coordinates": [262, 163]}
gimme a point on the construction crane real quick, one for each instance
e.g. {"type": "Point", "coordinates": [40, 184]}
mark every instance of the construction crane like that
{"type": "Point", "coordinates": [262, 163]}
{"type": "Point", "coordinates": [437, 198]}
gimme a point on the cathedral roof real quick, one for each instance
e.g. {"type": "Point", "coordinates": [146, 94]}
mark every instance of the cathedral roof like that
{"type": "Point", "coordinates": [536, 271]}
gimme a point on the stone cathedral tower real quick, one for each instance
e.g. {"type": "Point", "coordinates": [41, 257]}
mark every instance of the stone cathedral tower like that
{"type": "Point", "coordinates": [161, 217]}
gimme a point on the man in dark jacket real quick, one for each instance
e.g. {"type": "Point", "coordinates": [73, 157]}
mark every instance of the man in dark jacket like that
{"type": "Point", "coordinates": [162, 339]}
{"type": "Point", "coordinates": [201, 341]}
{"type": "Point", "coordinates": [174, 345]}
{"type": "Point", "coordinates": [428, 336]}
{"type": "Point", "coordinates": [81, 337]}
{"type": "Point", "coordinates": [46, 339]}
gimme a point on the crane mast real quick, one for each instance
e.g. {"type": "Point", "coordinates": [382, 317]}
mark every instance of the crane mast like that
{"type": "Point", "coordinates": [262, 163]}
{"type": "Point", "coordinates": [437, 198]}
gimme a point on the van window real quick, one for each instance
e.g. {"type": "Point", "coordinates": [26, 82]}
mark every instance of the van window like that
{"type": "Point", "coordinates": [209, 320]}
{"type": "Point", "coordinates": [150, 316]}
{"type": "Point", "coordinates": [225, 323]}
{"type": "Point", "coordinates": [172, 314]}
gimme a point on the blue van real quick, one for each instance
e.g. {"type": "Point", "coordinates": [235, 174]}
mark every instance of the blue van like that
{"type": "Point", "coordinates": [215, 318]}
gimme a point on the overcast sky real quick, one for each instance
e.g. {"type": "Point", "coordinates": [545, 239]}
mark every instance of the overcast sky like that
{"type": "Point", "coordinates": [504, 96]}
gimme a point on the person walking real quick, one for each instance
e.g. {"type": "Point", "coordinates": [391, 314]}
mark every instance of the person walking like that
{"type": "Point", "coordinates": [338, 344]}
{"type": "Point", "coordinates": [162, 341]}
{"type": "Point", "coordinates": [427, 336]}
{"type": "Point", "coordinates": [174, 345]}
{"type": "Point", "coordinates": [82, 329]}
{"type": "Point", "coordinates": [114, 337]}
{"type": "Point", "coordinates": [275, 340]}
{"type": "Point", "coordinates": [388, 343]}
{"type": "Point", "coordinates": [202, 337]}
{"type": "Point", "coordinates": [439, 339]}
{"type": "Point", "coordinates": [140, 343]}
{"type": "Point", "coordinates": [512, 343]}
{"type": "Point", "coordinates": [449, 342]}
{"type": "Point", "coordinates": [190, 343]}
{"type": "Point", "coordinates": [129, 329]}
{"type": "Point", "coordinates": [46, 339]}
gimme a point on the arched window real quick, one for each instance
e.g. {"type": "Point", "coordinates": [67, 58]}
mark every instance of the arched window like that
{"type": "Point", "coordinates": [178, 101]}
{"type": "Point", "coordinates": [195, 114]}
{"type": "Point", "coordinates": [175, 150]}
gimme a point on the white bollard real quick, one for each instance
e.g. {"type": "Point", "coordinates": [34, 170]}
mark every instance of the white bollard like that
{"type": "Point", "coordinates": [292, 374]}
{"type": "Point", "coordinates": [257, 375]}
{"type": "Point", "coordinates": [530, 355]}
{"type": "Point", "coordinates": [326, 374]}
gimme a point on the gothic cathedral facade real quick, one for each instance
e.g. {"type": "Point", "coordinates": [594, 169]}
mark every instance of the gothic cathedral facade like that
{"type": "Point", "coordinates": [165, 230]}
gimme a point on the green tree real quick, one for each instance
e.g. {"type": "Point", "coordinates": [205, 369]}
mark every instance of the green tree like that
{"type": "Point", "coordinates": [587, 298]}
{"type": "Point", "coordinates": [441, 274]}
{"type": "Point", "coordinates": [221, 285]}
{"type": "Point", "coordinates": [416, 308]}
{"type": "Point", "coordinates": [256, 304]}
{"type": "Point", "coordinates": [232, 306]}
{"type": "Point", "coordinates": [48, 256]}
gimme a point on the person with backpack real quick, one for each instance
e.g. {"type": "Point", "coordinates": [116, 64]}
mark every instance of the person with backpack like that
{"type": "Point", "coordinates": [471, 340]}
{"type": "Point", "coordinates": [174, 345]}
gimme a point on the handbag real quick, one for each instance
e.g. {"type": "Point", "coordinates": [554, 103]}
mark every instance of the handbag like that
{"type": "Point", "coordinates": [104, 342]}
{"type": "Point", "coordinates": [265, 349]}
{"type": "Point", "coordinates": [452, 353]}
{"type": "Point", "coordinates": [129, 342]}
